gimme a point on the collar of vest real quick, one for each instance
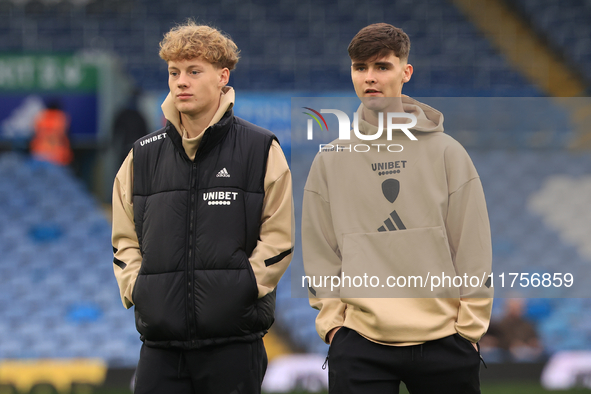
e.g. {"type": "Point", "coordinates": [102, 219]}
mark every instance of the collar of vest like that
{"type": "Point", "coordinates": [211, 136]}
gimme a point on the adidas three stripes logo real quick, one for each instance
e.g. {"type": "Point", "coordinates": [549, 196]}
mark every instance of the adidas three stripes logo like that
{"type": "Point", "coordinates": [223, 173]}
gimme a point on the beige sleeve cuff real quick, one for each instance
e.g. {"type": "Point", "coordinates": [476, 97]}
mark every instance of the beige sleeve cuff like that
{"type": "Point", "coordinates": [474, 318]}
{"type": "Point", "coordinates": [331, 315]}
{"type": "Point", "coordinates": [127, 257]}
{"type": "Point", "coordinates": [274, 250]}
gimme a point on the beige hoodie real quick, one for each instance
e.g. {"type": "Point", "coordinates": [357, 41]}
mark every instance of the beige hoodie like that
{"type": "Point", "coordinates": [277, 223]}
{"type": "Point", "coordinates": [416, 210]}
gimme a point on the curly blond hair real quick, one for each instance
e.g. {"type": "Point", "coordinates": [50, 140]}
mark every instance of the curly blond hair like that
{"type": "Point", "coordinates": [189, 41]}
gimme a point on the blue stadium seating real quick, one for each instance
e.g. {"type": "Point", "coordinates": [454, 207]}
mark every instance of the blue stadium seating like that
{"type": "Point", "coordinates": [58, 295]}
{"type": "Point", "coordinates": [566, 25]}
{"type": "Point", "coordinates": [285, 45]}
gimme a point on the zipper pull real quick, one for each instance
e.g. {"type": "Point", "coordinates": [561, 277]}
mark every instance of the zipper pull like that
{"type": "Point", "coordinates": [480, 355]}
{"type": "Point", "coordinates": [483, 363]}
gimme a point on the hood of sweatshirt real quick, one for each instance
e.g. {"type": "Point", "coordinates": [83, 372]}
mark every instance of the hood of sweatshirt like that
{"type": "Point", "coordinates": [174, 116]}
{"type": "Point", "coordinates": [428, 118]}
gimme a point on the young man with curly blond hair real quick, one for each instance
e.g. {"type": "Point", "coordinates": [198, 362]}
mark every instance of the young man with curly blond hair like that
{"type": "Point", "coordinates": [202, 228]}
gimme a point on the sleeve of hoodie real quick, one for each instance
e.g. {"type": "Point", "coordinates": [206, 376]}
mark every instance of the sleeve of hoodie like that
{"type": "Point", "coordinates": [273, 252]}
{"type": "Point", "coordinates": [127, 258]}
{"type": "Point", "coordinates": [321, 253]}
{"type": "Point", "coordinates": [468, 232]}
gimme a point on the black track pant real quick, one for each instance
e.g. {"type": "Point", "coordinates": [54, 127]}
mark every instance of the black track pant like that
{"type": "Point", "coordinates": [234, 368]}
{"type": "Point", "coordinates": [448, 365]}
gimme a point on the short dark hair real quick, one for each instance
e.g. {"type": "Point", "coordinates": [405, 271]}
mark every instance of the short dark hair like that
{"type": "Point", "coordinates": [379, 40]}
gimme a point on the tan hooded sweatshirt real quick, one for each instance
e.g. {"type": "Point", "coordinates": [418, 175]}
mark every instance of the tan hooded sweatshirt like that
{"type": "Point", "coordinates": [277, 223]}
{"type": "Point", "coordinates": [403, 208]}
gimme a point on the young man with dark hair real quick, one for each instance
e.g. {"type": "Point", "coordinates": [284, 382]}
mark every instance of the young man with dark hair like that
{"type": "Point", "coordinates": [202, 228]}
{"type": "Point", "coordinates": [439, 226]}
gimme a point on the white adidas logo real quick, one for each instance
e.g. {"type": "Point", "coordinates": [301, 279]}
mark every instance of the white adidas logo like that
{"type": "Point", "coordinates": [223, 173]}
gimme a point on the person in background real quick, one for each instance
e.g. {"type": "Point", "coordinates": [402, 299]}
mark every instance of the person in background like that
{"type": "Point", "coordinates": [128, 127]}
{"type": "Point", "coordinates": [516, 335]}
{"type": "Point", "coordinates": [51, 142]}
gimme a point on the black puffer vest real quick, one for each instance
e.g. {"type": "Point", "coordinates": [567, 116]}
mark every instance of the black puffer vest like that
{"type": "Point", "coordinates": [197, 223]}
